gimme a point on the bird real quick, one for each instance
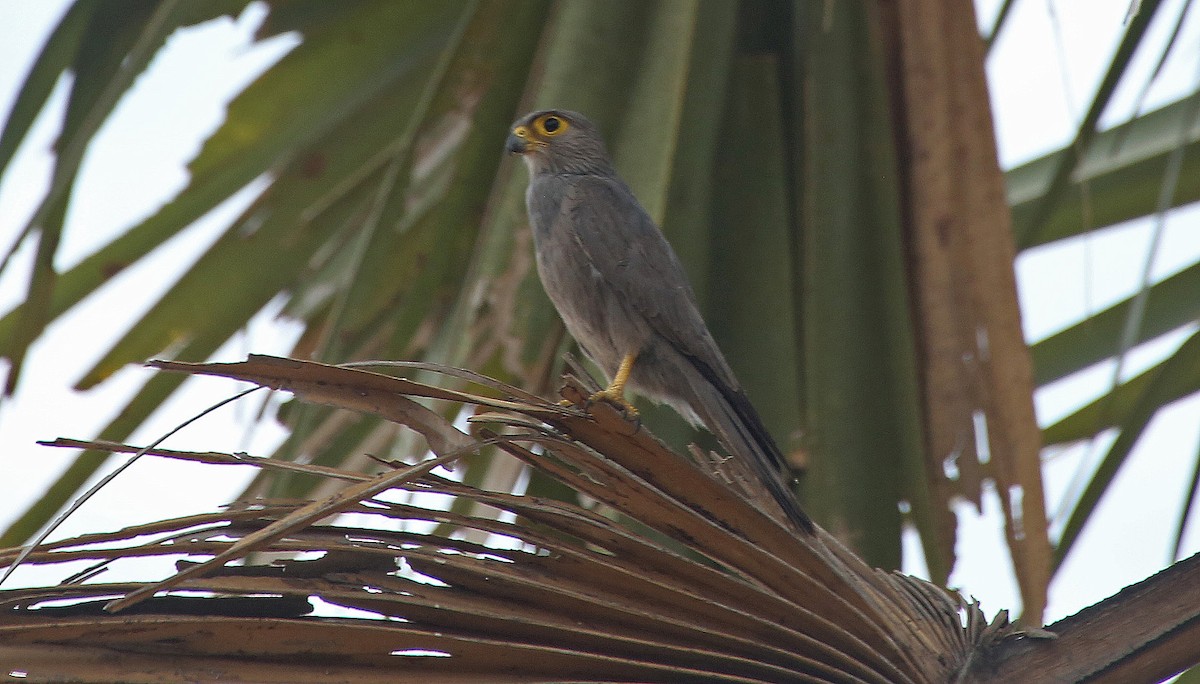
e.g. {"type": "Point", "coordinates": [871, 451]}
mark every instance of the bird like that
{"type": "Point", "coordinates": [625, 298]}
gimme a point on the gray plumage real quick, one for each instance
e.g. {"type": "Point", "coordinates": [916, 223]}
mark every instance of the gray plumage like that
{"type": "Point", "coordinates": [620, 290]}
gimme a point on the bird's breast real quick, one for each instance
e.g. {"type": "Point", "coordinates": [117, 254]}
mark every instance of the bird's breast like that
{"type": "Point", "coordinates": [593, 310]}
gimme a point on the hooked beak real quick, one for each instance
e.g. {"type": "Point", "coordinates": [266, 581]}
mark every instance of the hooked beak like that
{"type": "Point", "coordinates": [518, 140]}
{"type": "Point", "coordinates": [515, 145]}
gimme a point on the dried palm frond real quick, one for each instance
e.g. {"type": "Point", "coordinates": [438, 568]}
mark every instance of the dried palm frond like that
{"type": "Point", "coordinates": [670, 576]}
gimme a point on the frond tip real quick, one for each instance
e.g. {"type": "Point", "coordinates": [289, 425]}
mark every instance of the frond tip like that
{"type": "Point", "coordinates": [672, 577]}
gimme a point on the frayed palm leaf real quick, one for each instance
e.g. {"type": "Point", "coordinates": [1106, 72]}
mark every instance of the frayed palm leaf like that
{"type": "Point", "coordinates": [672, 576]}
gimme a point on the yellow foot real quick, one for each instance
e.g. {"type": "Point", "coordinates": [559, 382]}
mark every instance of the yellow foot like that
{"type": "Point", "coordinates": [616, 397]}
{"type": "Point", "coordinates": [615, 393]}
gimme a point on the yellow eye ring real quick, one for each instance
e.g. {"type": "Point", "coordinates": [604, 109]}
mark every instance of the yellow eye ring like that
{"type": "Point", "coordinates": [550, 125]}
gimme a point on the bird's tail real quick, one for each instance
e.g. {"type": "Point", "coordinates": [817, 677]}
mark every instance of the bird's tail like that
{"type": "Point", "coordinates": [757, 460]}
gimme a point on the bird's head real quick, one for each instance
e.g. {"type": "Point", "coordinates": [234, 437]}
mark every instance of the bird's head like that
{"type": "Point", "coordinates": [558, 141]}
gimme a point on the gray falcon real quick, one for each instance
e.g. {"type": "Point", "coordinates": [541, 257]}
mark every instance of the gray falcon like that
{"type": "Point", "coordinates": [624, 297]}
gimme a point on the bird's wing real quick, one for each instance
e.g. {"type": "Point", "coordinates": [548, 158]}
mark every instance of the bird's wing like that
{"type": "Point", "coordinates": [630, 253]}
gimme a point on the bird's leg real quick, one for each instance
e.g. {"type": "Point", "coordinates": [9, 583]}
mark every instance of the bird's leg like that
{"type": "Point", "coordinates": [615, 392]}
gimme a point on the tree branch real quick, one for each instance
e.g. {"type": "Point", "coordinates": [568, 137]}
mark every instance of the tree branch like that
{"type": "Point", "coordinates": [1144, 633]}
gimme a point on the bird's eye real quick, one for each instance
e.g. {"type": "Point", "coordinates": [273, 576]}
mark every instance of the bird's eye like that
{"type": "Point", "coordinates": [551, 125]}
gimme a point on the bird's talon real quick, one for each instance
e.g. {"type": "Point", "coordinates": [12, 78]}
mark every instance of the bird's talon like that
{"type": "Point", "coordinates": [617, 400]}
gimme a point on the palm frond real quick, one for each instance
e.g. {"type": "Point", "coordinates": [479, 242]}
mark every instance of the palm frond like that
{"type": "Point", "coordinates": [567, 594]}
